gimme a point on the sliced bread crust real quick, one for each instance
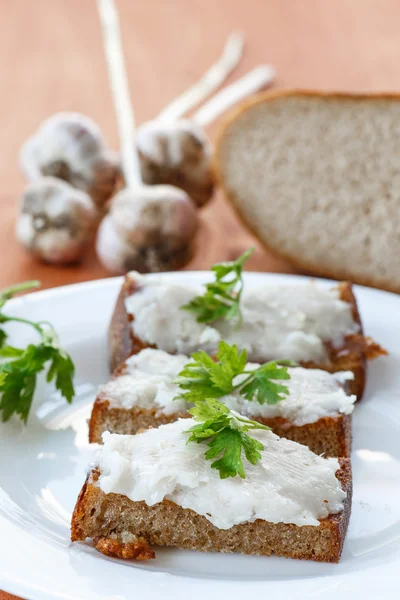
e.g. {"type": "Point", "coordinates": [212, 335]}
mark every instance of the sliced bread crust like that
{"type": "Point", "coordinates": [128, 421]}
{"type": "Point", "coordinates": [330, 436]}
{"type": "Point", "coordinates": [352, 356]}
{"type": "Point", "coordinates": [306, 255]}
{"type": "Point", "coordinates": [126, 529]}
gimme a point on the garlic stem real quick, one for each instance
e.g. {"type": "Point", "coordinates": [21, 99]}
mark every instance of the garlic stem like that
{"type": "Point", "coordinates": [258, 78]}
{"type": "Point", "coordinates": [210, 81]}
{"type": "Point", "coordinates": [120, 90]}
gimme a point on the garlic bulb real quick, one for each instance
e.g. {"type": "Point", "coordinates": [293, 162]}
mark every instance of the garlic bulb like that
{"type": "Point", "coordinates": [70, 146]}
{"type": "Point", "coordinates": [177, 153]}
{"type": "Point", "coordinates": [56, 221]}
{"type": "Point", "coordinates": [148, 229]}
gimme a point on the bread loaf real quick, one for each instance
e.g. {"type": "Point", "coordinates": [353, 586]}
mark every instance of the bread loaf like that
{"type": "Point", "coordinates": [316, 177]}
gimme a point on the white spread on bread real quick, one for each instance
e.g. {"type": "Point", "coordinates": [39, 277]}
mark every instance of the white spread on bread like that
{"type": "Point", "coordinates": [290, 484]}
{"type": "Point", "coordinates": [279, 321]}
{"type": "Point", "coordinates": [148, 382]}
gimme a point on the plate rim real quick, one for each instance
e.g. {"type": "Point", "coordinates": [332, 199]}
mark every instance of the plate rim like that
{"type": "Point", "coordinates": [40, 592]}
{"type": "Point", "coordinates": [117, 280]}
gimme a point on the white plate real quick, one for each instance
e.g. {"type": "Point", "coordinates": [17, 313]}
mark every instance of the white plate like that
{"type": "Point", "coordinates": [42, 468]}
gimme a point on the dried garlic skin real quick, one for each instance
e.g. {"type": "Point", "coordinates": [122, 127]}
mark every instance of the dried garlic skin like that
{"type": "Point", "coordinates": [148, 229]}
{"type": "Point", "coordinates": [56, 222]}
{"type": "Point", "coordinates": [177, 153]}
{"type": "Point", "coordinates": [70, 146]}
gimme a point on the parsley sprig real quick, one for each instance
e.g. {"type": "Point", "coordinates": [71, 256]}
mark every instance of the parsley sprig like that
{"type": "Point", "coordinates": [19, 367]}
{"type": "Point", "coordinates": [226, 435]}
{"type": "Point", "coordinates": [204, 377]}
{"type": "Point", "coordinates": [221, 299]}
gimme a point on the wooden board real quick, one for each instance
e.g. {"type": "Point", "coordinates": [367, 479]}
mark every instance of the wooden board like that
{"type": "Point", "coordinates": [51, 60]}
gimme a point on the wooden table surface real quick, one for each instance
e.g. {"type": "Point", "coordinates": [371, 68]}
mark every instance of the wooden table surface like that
{"type": "Point", "coordinates": [51, 60]}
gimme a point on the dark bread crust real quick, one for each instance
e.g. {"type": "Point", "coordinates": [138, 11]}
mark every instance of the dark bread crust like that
{"type": "Point", "coordinates": [352, 356]}
{"type": "Point", "coordinates": [137, 549]}
{"type": "Point", "coordinates": [121, 341]}
{"type": "Point", "coordinates": [330, 436]}
{"type": "Point", "coordinates": [356, 350]}
{"type": "Point", "coordinates": [105, 518]}
{"type": "Point", "coordinates": [125, 421]}
{"type": "Point", "coordinates": [302, 265]}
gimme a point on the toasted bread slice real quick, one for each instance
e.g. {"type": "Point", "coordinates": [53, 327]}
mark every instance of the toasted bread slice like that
{"type": "Point", "coordinates": [315, 177]}
{"type": "Point", "coordinates": [330, 436]}
{"type": "Point", "coordinates": [125, 528]}
{"type": "Point", "coordinates": [319, 409]}
{"type": "Point", "coordinates": [132, 528]}
{"type": "Point", "coordinates": [351, 355]}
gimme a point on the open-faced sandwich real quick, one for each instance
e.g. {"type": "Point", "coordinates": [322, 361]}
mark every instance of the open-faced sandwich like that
{"type": "Point", "coordinates": [267, 378]}
{"type": "Point", "coordinates": [304, 322]}
{"type": "Point", "coordinates": [152, 388]}
{"type": "Point", "coordinates": [159, 488]}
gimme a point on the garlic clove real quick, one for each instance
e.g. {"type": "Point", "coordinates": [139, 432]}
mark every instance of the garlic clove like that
{"type": "Point", "coordinates": [56, 222]}
{"type": "Point", "coordinates": [70, 146]}
{"type": "Point", "coordinates": [177, 153]}
{"type": "Point", "coordinates": [148, 229]}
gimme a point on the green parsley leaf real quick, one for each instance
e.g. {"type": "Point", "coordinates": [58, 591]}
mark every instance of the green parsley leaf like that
{"type": "Point", "coordinates": [262, 387]}
{"type": "Point", "coordinates": [204, 377]}
{"type": "Point", "coordinates": [10, 352]}
{"type": "Point", "coordinates": [19, 381]}
{"type": "Point", "coordinates": [221, 299]}
{"type": "Point", "coordinates": [3, 337]}
{"type": "Point", "coordinates": [13, 290]}
{"type": "Point", "coordinates": [19, 367]}
{"type": "Point", "coordinates": [62, 370]}
{"type": "Point", "coordinates": [230, 359]}
{"type": "Point", "coordinates": [229, 443]}
{"type": "Point", "coordinates": [209, 409]}
{"type": "Point", "coordinates": [226, 434]}
{"type": "Point", "coordinates": [196, 378]}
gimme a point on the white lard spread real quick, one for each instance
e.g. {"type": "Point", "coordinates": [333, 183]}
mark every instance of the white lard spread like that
{"type": "Point", "coordinates": [290, 484]}
{"type": "Point", "coordinates": [279, 321]}
{"type": "Point", "coordinates": [148, 382]}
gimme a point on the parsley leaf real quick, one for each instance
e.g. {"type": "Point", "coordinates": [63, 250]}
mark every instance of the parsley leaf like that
{"type": "Point", "coordinates": [13, 290]}
{"type": "Point", "coordinates": [204, 377]}
{"type": "Point", "coordinates": [3, 337]}
{"type": "Point", "coordinates": [261, 386]}
{"type": "Point", "coordinates": [19, 367]}
{"type": "Point", "coordinates": [226, 434]}
{"type": "Point", "coordinates": [209, 409]}
{"type": "Point", "coordinates": [62, 371]}
{"type": "Point", "coordinates": [221, 299]}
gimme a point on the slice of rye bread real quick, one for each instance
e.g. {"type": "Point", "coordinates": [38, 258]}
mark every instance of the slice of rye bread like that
{"type": "Point", "coordinates": [352, 356]}
{"type": "Point", "coordinates": [315, 177]}
{"type": "Point", "coordinates": [125, 529]}
{"type": "Point", "coordinates": [330, 436]}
